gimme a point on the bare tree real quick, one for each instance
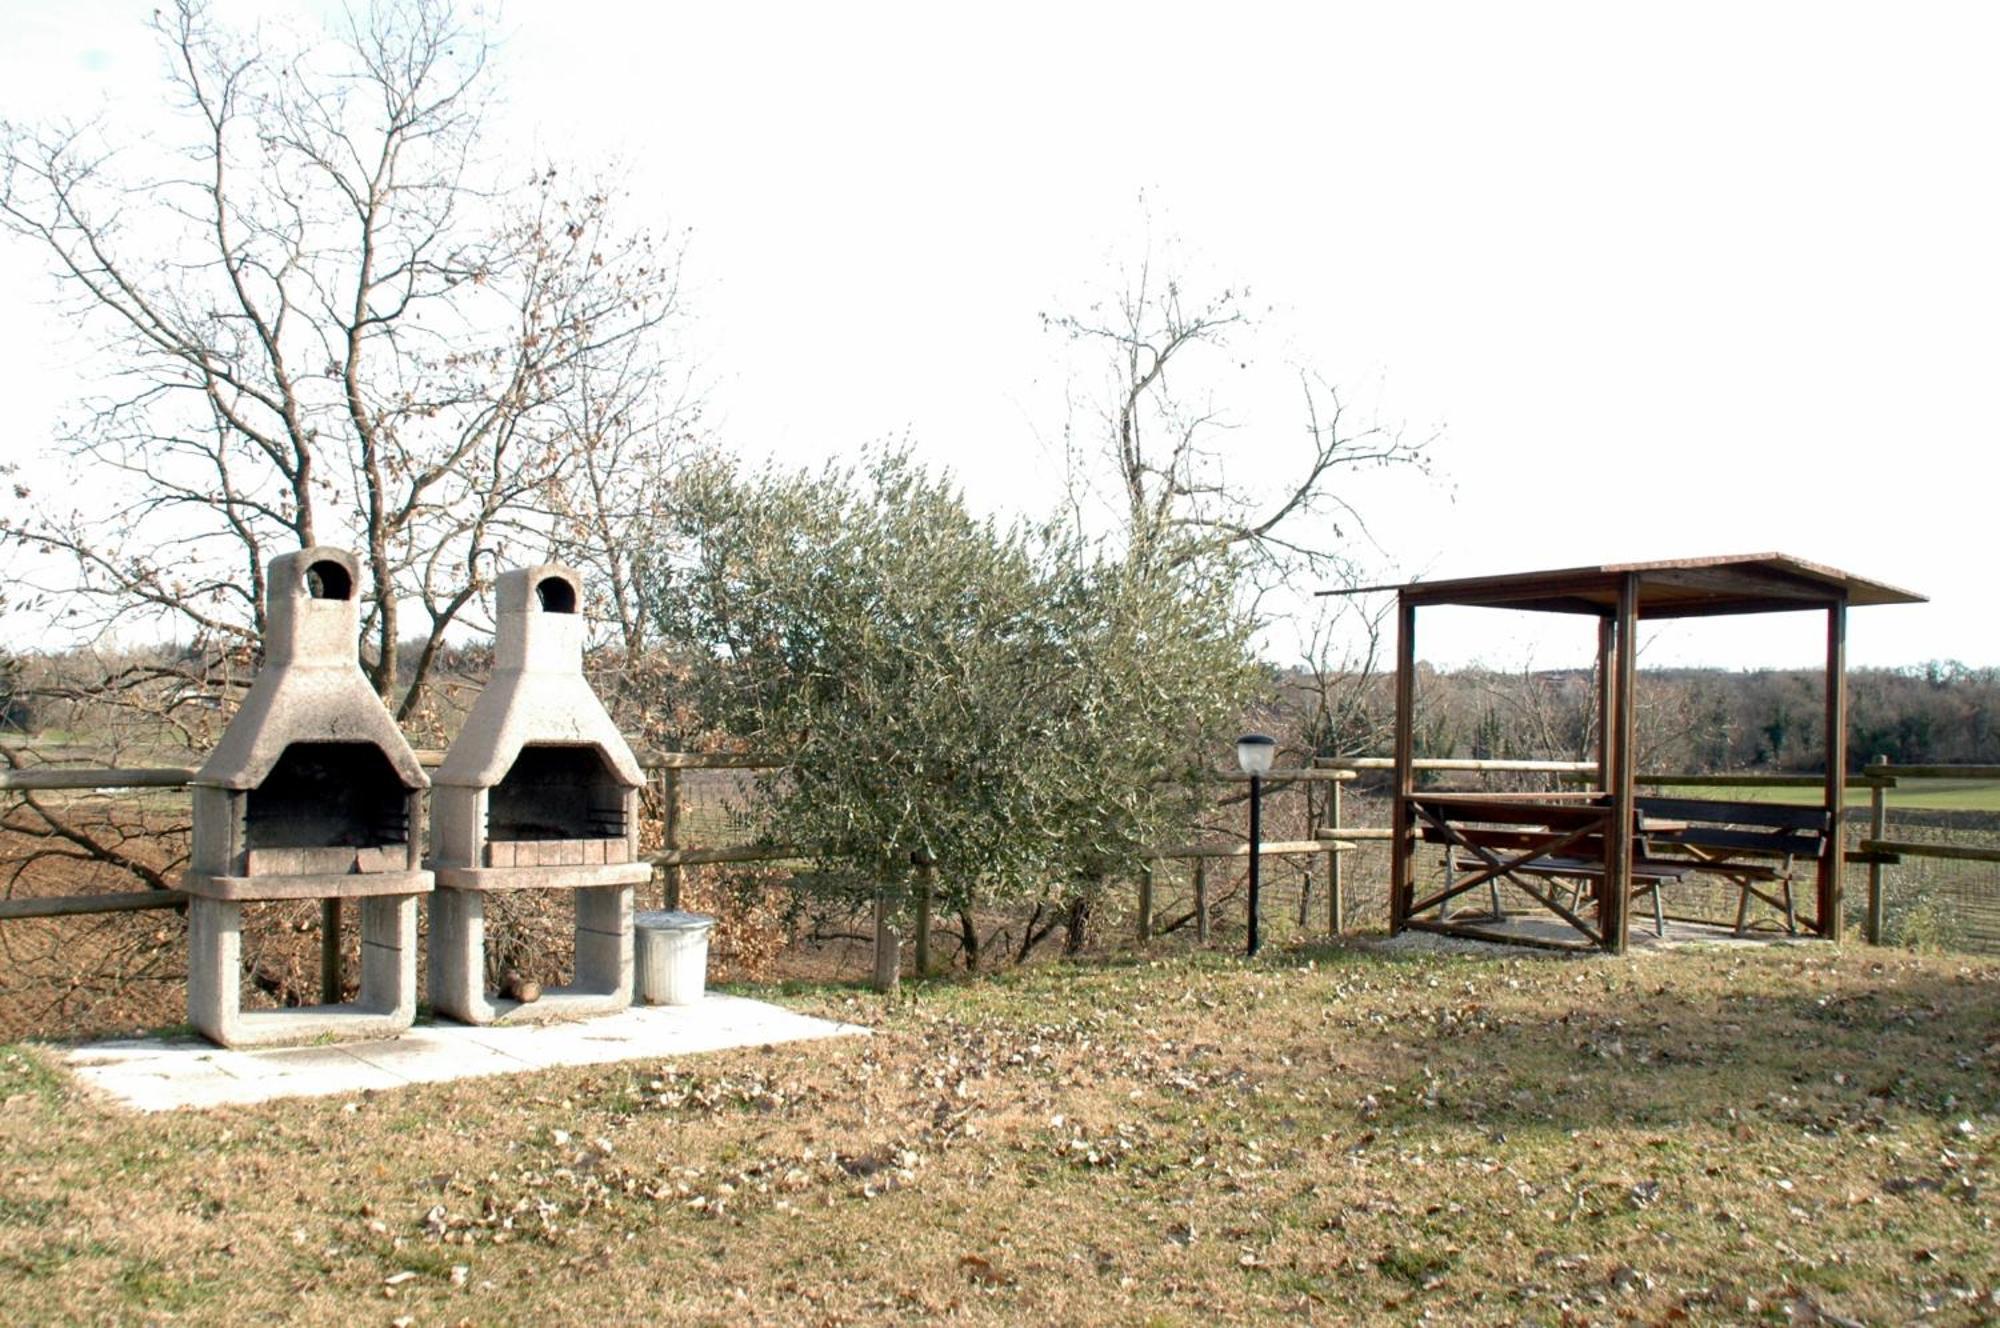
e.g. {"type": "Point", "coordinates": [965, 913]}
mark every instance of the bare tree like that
{"type": "Point", "coordinates": [632, 431]}
{"type": "Point", "coordinates": [322, 314]}
{"type": "Point", "coordinates": [1178, 448]}
{"type": "Point", "coordinates": [616, 510]}
{"type": "Point", "coordinates": [325, 318]}
{"type": "Point", "coordinates": [1337, 701]}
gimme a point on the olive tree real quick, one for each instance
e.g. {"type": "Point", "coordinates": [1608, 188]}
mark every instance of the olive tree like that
{"type": "Point", "coordinates": [1001, 702]}
{"type": "Point", "coordinates": [1159, 676]}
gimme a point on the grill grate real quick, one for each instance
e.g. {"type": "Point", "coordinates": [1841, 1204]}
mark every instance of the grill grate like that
{"type": "Point", "coordinates": [553, 793]}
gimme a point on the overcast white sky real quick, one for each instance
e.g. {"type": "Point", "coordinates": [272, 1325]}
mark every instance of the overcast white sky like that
{"type": "Point", "coordinates": [1673, 280]}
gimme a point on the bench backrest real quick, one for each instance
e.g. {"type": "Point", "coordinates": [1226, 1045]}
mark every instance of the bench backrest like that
{"type": "Point", "coordinates": [1769, 827]}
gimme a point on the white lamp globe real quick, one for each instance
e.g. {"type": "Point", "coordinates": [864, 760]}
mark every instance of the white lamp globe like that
{"type": "Point", "coordinates": [1254, 752]}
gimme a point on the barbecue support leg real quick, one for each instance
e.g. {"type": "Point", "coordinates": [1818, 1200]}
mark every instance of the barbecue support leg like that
{"type": "Point", "coordinates": [458, 956]}
{"type": "Point", "coordinates": [215, 967]}
{"type": "Point", "coordinates": [386, 1006]}
{"type": "Point", "coordinates": [389, 957]}
{"type": "Point", "coordinates": [604, 943]}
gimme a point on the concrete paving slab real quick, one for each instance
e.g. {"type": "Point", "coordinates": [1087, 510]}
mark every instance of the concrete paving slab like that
{"type": "Point", "coordinates": [168, 1073]}
{"type": "Point", "coordinates": [286, 1062]}
{"type": "Point", "coordinates": [119, 1050]}
{"type": "Point", "coordinates": [346, 1074]}
{"type": "Point", "coordinates": [198, 1074]}
{"type": "Point", "coordinates": [438, 1059]}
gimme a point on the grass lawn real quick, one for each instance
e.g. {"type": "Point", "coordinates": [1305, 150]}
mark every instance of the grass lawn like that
{"type": "Point", "coordinates": [1972, 795]}
{"type": "Point", "coordinates": [1965, 795]}
{"type": "Point", "coordinates": [1791, 1135]}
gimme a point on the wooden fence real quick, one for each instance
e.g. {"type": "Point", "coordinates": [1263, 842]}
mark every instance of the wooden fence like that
{"type": "Point", "coordinates": [1332, 839]}
{"type": "Point", "coordinates": [665, 769]}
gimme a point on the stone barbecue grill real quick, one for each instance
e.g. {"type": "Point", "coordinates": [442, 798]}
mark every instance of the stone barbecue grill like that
{"type": "Point", "coordinates": [311, 794]}
{"type": "Point", "coordinates": [540, 791]}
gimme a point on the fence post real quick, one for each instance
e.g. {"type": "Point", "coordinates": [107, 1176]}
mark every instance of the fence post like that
{"type": "Point", "coordinates": [670, 835]}
{"type": "Point", "coordinates": [1146, 904]}
{"type": "Point", "coordinates": [888, 945]}
{"type": "Point", "coordinates": [1201, 900]}
{"type": "Point", "coordinates": [923, 864]}
{"type": "Point", "coordinates": [1306, 869]}
{"type": "Point", "coordinates": [1878, 826]}
{"type": "Point", "coordinates": [1336, 902]}
{"type": "Point", "coordinates": [331, 981]}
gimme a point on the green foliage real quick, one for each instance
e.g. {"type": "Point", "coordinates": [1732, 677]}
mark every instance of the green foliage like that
{"type": "Point", "coordinates": [1158, 678]}
{"type": "Point", "coordinates": [1003, 700]}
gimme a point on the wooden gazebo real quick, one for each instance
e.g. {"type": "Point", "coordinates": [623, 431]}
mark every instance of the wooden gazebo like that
{"type": "Point", "coordinates": [1603, 840]}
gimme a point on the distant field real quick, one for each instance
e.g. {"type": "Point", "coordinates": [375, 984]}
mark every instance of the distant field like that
{"type": "Point", "coordinates": [1953, 795]}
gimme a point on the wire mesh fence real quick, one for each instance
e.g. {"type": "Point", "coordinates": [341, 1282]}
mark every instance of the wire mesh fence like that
{"type": "Point", "coordinates": [1934, 903]}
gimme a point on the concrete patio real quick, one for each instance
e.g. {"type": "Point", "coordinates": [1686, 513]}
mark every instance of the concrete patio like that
{"type": "Point", "coordinates": [162, 1074]}
{"type": "Point", "coordinates": [1542, 929]}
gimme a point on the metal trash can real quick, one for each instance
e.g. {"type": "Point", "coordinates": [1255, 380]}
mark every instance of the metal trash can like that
{"type": "Point", "coordinates": [671, 956]}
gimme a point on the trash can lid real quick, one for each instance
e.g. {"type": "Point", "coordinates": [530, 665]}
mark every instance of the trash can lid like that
{"type": "Point", "coordinates": [673, 920]}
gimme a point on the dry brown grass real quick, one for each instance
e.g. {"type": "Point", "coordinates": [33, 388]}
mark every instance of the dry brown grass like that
{"type": "Point", "coordinates": [1347, 1134]}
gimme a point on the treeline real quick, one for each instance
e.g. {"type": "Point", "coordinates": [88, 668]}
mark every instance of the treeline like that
{"type": "Point", "coordinates": [1695, 720]}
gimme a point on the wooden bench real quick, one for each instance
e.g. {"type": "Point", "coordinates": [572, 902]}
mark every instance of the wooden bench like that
{"type": "Point", "coordinates": [1759, 847]}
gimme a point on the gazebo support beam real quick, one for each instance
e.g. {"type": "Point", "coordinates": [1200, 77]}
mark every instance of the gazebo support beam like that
{"type": "Point", "coordinates": [1401, 851]}
{"type": "Point", "coordinates": [1829, 912]}
{"type": "Point", "coordinates": [1607, 636]}
{"type": "Point", "coordinates": [1621, 723]}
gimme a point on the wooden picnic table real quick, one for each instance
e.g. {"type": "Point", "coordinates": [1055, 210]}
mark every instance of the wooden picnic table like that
{"type": "Point", "coordinates": [1536, 842]}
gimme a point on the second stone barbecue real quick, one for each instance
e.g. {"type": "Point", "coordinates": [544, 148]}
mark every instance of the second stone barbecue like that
{"type": "Point", "coordinates": [539, 792]}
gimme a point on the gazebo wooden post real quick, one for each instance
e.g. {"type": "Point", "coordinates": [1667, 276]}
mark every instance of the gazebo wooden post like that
{"type": "Point", "coordinates": [1617, 885]}
{"type": "Point", "coordinates": [1606, 635]}
{"type": "Point", "coordinates": [1833, 862]}
{"type": "Point", "coordinates": [1400, 884]}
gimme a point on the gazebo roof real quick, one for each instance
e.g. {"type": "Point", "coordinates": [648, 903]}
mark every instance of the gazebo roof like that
{"type": "Point", "coordinates": [1679, 588]}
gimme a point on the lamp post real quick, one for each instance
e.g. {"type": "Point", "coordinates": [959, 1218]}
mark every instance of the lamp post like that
{"type": "Point", "coordinates": [1254, 752]}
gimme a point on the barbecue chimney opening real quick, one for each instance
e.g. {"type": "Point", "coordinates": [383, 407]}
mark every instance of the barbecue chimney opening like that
{"type": "Point", "coordinates": [328, 795]}
{"type": "Point", "coordinates": [327, 579]}
{"type": "Point", "coordinates": [556, 594]}
{"type": "Point", "coordinates": [557, 793]}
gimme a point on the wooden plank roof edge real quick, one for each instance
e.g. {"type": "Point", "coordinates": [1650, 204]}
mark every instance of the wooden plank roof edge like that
{"type": "Point", "coordinates": [1511, 588]}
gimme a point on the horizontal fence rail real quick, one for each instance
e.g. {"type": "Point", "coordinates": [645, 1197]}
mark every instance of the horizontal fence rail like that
{"type": "Point", "coordinates": [101, 779]}
{"type": "Point", "coordinates": [1935, 771]}
{"type": "Point", "coordinates": [702, 857]}
{"type": "Point", "coordinates": [58, 906]}
{"type": "Point", "coordinates": [1331, 837]}
{"type": "Point", "coordinates": [1873, 777]}
{"type": "Point", "coordinates": [1465, 764]}
{"type": "Point", "coordinates": [88, 779]}
{"type": "Point", "coordinates": [1891, 849]}
{"type": "Point", "coordinates": [1243, 850]}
